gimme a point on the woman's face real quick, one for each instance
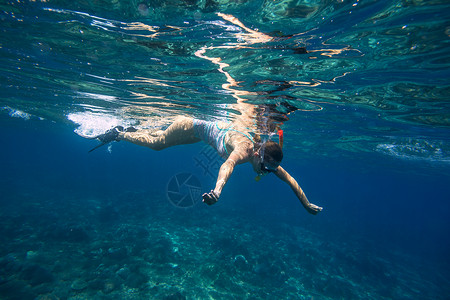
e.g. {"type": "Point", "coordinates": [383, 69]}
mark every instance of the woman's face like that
{"type": "Point", "coordinates": [269, 165]}
{"type": "Point", "coordinates": [264, 166]}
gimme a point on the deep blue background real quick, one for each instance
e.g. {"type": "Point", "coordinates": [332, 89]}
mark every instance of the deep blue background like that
{"type": "Point", "coordinates": [403, 208]}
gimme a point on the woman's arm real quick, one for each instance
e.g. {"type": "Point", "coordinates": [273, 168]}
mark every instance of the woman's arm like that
{"type": "Point", "coordinates": [283, 175]}
{"type": "Point", "coordinates": [224, 174]}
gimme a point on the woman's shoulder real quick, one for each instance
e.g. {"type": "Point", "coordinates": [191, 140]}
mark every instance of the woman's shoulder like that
{"type": "Point", "coordinates": [236, 141]}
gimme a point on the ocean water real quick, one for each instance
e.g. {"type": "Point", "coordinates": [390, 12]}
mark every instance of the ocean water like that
{"type": "Point", "coordinates": [361, 90]}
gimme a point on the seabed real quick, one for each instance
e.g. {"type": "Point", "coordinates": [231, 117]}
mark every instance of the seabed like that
{"type": "Point", "coordinates": [137, 246]}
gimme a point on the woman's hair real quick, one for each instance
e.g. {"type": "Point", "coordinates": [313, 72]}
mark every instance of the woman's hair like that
{"type": "Point", "coordinates": [273, 150]}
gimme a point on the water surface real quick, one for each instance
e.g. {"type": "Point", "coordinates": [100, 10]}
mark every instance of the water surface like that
{"type": "Point", "coordinates": [368, 141]}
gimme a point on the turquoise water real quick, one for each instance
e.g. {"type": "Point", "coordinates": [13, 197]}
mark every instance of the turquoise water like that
{"type": "Point", "coordinates": [368, 140]}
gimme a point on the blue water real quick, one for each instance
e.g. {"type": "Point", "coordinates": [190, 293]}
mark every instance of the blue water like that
{"type": "Point", "coordinates": [369, 142]}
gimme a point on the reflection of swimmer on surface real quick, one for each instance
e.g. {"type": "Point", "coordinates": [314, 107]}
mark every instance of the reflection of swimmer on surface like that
{"type": "Point", "coordinates": [237, 142]}
{"type": "Point", "coordinates": [232, 140]}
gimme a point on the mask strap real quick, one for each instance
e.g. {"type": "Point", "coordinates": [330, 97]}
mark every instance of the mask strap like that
{"type": "Point", "coordinates": [261, 151]}
{"type": "Point", "coordinates": [264, 139]}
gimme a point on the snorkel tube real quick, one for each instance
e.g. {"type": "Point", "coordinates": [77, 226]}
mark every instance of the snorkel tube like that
{"type": "Point", "coordinates": [261, 156]}
{"type": "Point", "coordinates": [280, 137]}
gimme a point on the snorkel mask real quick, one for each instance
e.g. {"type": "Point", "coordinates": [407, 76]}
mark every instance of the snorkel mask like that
{"type": "Point", "coordinates": [267, 169]}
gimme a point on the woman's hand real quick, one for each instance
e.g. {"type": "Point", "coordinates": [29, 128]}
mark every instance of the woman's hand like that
{"type": "Point", "coordinates": [210, 198]}
{"type": "Point", "coordinates": [314, 209]}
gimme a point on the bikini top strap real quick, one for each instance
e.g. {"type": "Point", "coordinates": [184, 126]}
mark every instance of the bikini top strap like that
{"type": "Point", "coordinates": [244, 134]}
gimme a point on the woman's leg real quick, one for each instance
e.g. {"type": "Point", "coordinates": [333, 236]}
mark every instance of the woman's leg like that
{"type": "Point", "coordinates": [180, 132]}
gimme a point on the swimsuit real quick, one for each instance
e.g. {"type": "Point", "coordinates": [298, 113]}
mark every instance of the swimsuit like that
{"type": "Point", "coordinates": [213, 135]}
